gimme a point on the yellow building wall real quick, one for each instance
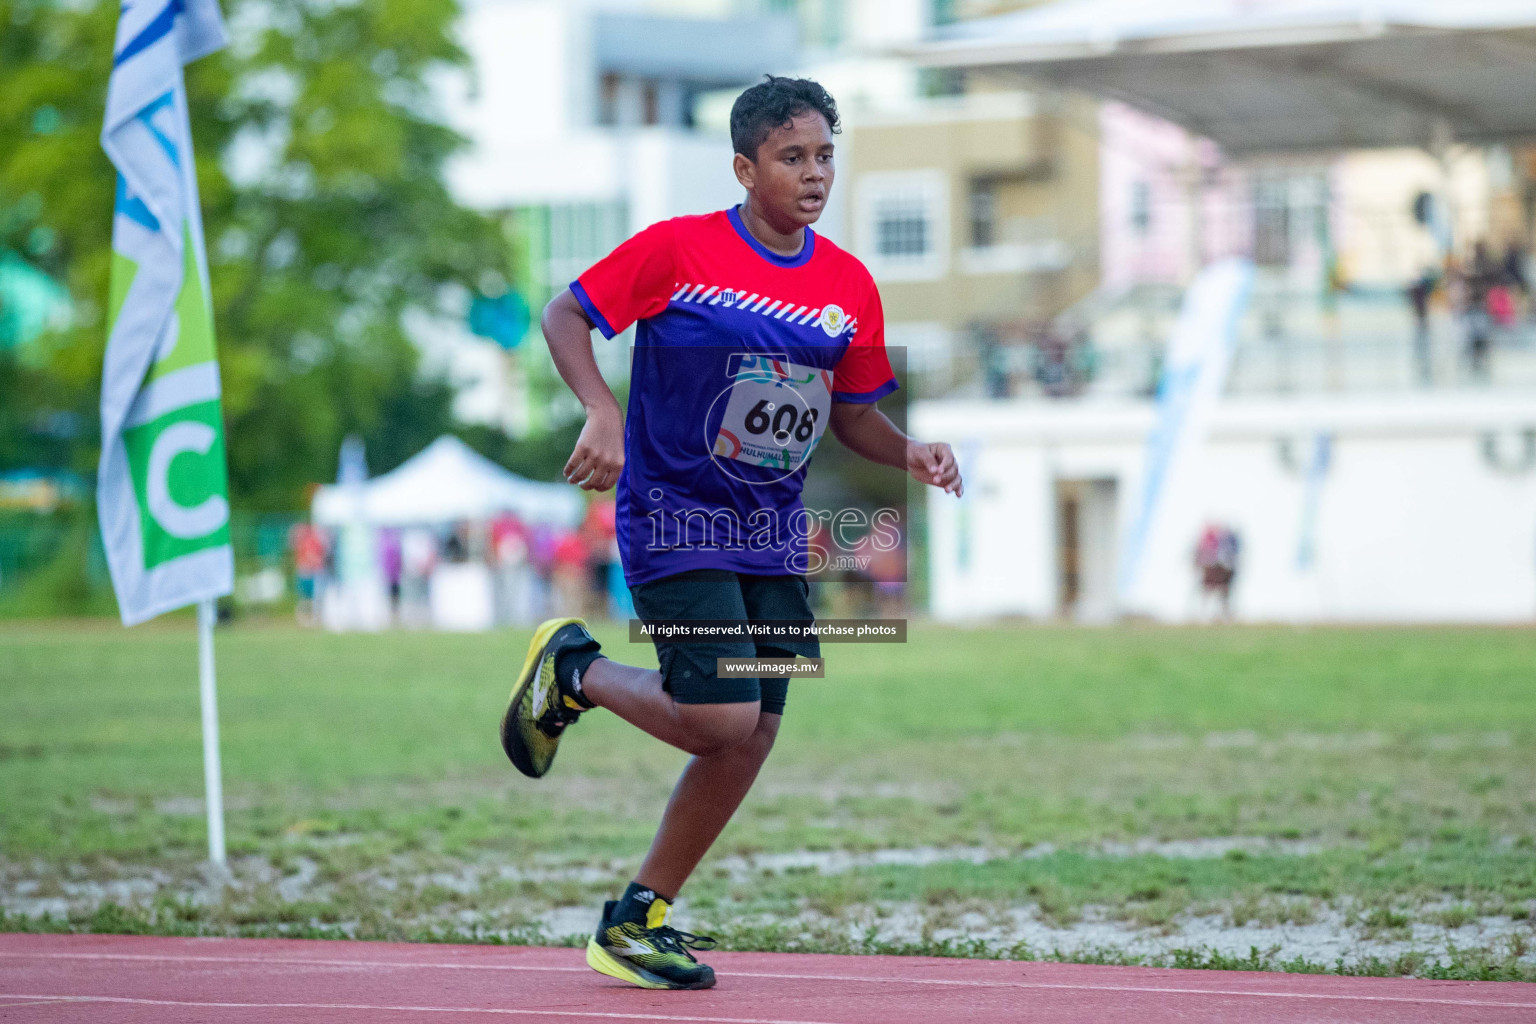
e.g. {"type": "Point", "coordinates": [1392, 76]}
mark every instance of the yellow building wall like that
{"type": "Point", "coordinates": [1045, 165]}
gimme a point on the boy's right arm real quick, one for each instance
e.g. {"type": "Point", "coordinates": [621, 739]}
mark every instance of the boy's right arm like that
{"type": "Point", "coordinates": [599, 456]}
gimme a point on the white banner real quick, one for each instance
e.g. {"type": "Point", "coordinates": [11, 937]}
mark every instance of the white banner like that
{"type": "Point", "coordinates": [1194, 374]}
{"type": "Point", "coordinates": [162, 489]}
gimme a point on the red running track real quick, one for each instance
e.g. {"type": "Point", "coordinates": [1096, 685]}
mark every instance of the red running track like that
{"type": "Point", "coordinates": [52, 978]}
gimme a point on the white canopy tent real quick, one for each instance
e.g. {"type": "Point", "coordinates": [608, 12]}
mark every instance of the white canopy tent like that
{"type": "Point", "coordinates": [444, 483]}
{"type": "Point", "coordinates": [1280, 75]}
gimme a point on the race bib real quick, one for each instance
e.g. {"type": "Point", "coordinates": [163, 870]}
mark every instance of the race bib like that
{"type": "Point", "coordinates": [775, 412]}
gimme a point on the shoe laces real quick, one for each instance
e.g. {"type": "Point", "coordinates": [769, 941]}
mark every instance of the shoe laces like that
{"type": "Point", "coordinates": [554, 720]}
{"type": "Point", "coordinates": [674, 940]}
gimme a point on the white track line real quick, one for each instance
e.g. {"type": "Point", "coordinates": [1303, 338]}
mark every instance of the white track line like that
{"type": "Point", "coordinates": [957, 982]}
{"type": "Point", "coordinates": [1156, 989]}
{"type": "Point", "coordinates": [504, 1011]}
{"type": "Point", "coordinates": [295, 960]}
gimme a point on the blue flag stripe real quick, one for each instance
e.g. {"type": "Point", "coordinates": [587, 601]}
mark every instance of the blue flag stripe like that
{"type": "Point", "coordinates": [152, 33]}
{"type": "Point", "coordinates": [134, 208]}
{"type": "Point", "coordinates": [147, 115]}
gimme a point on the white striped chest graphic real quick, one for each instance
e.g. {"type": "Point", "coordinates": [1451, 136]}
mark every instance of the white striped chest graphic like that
{"type": "Point", "coordinates": [827, 317]}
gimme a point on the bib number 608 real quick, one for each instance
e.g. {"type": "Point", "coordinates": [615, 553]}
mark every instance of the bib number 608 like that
{"type": "Point", "coordinates": [786, 420]}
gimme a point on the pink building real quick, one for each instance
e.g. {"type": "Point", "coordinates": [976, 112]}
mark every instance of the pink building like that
{"type": "Point", "coordinates": [1170, 202]}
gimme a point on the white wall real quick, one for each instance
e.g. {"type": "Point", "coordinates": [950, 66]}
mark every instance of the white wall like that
{"type": "Point", "coordinates": [1413, 523]}
{"type": "Point", "coordinates": [527, 110]}
{"type": "Point", "coordinates": [880, 24]}
{"type": "Point", "coordinates": [669, 173]}
{"type": "Point", "coordinates": [992, 552]}
{"type": "Point", "coordinates": [520, 101]}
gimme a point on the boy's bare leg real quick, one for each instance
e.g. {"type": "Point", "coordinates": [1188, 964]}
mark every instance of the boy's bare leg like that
{"type": "Point", "coordinates": [635, 695]}
{"type": "Point", "coordinates": [727, 758]}
{"type": "Point", "coordinates": [702, 803]}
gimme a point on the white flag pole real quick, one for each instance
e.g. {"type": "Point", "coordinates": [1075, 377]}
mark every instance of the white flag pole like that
{"type": "Point", "coordinates": [213, 781]}
{"type": "Point", "coordinates": [162, 429]}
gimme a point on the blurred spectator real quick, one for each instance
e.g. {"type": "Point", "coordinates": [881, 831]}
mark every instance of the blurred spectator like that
{"type": "Point", "coordinates": [391, 560]}
{"type": "Point", "coordinates": [1517, 270]}
{"type": "Point", "coordinates": [501, 571]}
{"type": "Point", "coordinates": [542, 540]}
{"type": "Point", "coordinates": [1216, 557]}
{"type": "Point", "coordinates": [1481, 277]}
{"type": "Point", "coordinates": [1052, 370]}
{"type": "Point", "coordinates": [600, 534]}
{"type": "Point", "coordinates": [1335, 285]}
{"type": "Point", "coordinates": [1501, 305]}
{"type": "Point", "coordinates": [311, 555]}
{"type": "Point", "coordinates": [1064, 358]}
{"type": "Point", "coordinates": [418, 557]}
{"type": "Point", "coordinates": [993, 360]}
{"type": "Point", "coordinates": [1419, 293]}
{"type": "Point", "coordinates": [516, 585]}
{"type": "Point", "coordinates": [461, 595]}
{"type": "Point", "coordinates": [818, 546]}
{"type": "Point", "coordinates": [888, 570]}
{"type": "Point", "coordinates": [571, 574]}
{"type": "Point", "coordinates": [456, 544]}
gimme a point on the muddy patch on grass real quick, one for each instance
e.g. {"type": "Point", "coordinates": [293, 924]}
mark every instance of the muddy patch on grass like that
{"type": "Point", "coordinates": [836, 862]}
{"type": "Point", "coordinates": [1334, 936]}
{"type": "Point", "coordinates": [1329, 937]}
{"type": "Point", "coordinates": [40, 888]}
{"type": "Point", "coordinates": [553, 900]}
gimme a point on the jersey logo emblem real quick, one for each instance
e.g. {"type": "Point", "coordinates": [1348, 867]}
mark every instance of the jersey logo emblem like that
{"type": "Point", "coordinates": [833, 320]}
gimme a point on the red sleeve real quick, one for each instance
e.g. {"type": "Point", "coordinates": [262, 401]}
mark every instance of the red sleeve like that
{"type": "Point", "coordinates": [631, 283]}
{"type": "Point", "coordinates": [864, 373]}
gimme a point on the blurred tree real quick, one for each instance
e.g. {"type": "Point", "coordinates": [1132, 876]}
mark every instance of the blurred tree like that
{"type": "Point", "coordinates": [320, 162]}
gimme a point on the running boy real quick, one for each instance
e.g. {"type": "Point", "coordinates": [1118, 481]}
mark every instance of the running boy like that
{"type": "Point", "coordinates": [754, 336]}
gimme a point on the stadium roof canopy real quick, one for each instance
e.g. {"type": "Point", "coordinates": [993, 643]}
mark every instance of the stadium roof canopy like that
{"type": "Point", "coordinates": [1280, 75]}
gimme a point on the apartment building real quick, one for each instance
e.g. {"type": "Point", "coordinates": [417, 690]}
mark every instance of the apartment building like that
{"type": "Point", "coordinates": [977, 214]}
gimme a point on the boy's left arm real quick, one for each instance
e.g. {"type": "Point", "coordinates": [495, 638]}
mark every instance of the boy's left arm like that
{"type": "Point", "coordinates": [867, 432]}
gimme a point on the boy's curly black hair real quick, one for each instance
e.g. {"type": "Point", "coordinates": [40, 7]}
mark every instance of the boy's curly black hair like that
{"type": "Point", "coordinates": [773, 103]}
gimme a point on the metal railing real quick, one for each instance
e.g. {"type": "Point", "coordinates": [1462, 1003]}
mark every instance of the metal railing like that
{"type": "Point", "coordinates": [1112, 346]}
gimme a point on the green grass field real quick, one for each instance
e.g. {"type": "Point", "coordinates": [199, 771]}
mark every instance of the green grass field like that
{"type": "Point", "coordinates": [1128, 795]}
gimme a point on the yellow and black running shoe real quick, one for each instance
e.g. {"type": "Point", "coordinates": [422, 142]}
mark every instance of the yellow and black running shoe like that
{"type": "Point", "coordinates": [542, 706]}
{"type": "Point", "coordinates": [649, 954]}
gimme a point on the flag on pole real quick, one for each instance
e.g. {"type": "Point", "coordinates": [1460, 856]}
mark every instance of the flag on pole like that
{"type": "Point", "coordinates": [1195, 369]}
{"type": "Point", "coordinates": [162, 484]}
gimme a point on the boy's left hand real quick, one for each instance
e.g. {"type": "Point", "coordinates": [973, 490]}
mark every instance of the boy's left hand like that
{"type": "Point", "coordinates": [934, 463]}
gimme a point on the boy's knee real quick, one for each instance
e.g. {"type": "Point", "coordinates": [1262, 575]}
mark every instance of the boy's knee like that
{"type": "Point", "coordinates": [715, 728]}
{"type": "Point", "coordinates": [760, 742]}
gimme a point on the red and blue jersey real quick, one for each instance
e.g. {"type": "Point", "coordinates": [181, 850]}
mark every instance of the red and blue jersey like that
{"type": "Point", "coordinates": [738, 355]}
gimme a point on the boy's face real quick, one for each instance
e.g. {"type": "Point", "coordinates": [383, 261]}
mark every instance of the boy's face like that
{"type": "Point", "coordinates": [792, 175]}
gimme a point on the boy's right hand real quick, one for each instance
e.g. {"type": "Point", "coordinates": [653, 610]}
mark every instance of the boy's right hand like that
{"type": "Point", "coordinates": [599, 456]}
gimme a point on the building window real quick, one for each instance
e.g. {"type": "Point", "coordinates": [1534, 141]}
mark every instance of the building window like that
{"type": "Point", "coordinates": [903, 223]}
{"type": "Point", "coordinates": [652, 112]}
{"type": "Point", "coordinates": [608, 100]}
{"type": "Point", "coordinates": [1141, 207]}
{"type": "Point", "coordinates": [1271, 222]}
{"type": "Point", "coordinates": [983, 209]}
{"type": "Point", "coordinates": [901, 228]}
{"type": "Point", "coordinates": [1290, 218]}
{"type": "Point", "coordinates": [624, 101]}
{"type": "Point", "coordinates": [934, 82]}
